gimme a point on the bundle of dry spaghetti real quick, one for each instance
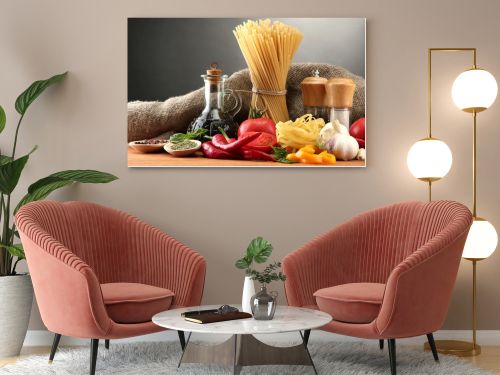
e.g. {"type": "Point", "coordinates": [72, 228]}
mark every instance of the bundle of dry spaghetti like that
{"type": "Point", "coordinates": [268, 48]}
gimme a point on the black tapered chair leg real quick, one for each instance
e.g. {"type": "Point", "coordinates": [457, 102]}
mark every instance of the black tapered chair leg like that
{"type": "Point", "coordinates": [55, 344]}
{"type": "Point", "coordinates": [392, 355]}
{"type": "Point", "coordinates": [106, 344]}
{"type": "Point", "coordinates": [182, 339]}
{"type": "Point", "coordinates": [94, 346]}
{"type": "Point", "coordinates": [432, 344]}
{"type": "Point", "coordinates": [307, 333]}
{"type": "Point", "coordinates": [381, 344]}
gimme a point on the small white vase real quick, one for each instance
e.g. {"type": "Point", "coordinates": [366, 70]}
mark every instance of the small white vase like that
{"type": "Point", "coordinates": [248, 292]}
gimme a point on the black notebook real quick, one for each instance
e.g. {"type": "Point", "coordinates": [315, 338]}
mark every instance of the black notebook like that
{"type": "Point", "coordinates": [212, 316]}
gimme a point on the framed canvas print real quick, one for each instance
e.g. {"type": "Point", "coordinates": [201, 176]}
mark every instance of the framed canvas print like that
{"type": "Point", "coordinates": [231, 92]}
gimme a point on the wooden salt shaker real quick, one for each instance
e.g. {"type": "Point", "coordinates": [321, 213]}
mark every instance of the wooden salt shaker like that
{"type": "Point", "coordinates": [339, 97]}
{"type": "Point", "coordinates": [313, 95]}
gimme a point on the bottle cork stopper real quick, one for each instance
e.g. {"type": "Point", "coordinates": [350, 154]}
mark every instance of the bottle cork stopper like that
{"type": "Point", "coordinates": [214, 73]}
{"type": "Point", "coordinates": [340, 92]}
{"type": "Point", "coordinates": [313, 90]}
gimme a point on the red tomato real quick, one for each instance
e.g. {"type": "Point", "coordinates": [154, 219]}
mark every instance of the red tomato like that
{"type": "Point", "coordinates": [361, 142]}
{"type": "Point", "coordinates": [262, 125]}
{"type": "Point", "coordinates": [357, 130]}
{"type": "Point", "coordinates": [264, 142]}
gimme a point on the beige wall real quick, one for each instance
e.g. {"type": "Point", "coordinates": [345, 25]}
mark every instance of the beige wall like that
{"type": "Point", "coordinates": [82, 124]}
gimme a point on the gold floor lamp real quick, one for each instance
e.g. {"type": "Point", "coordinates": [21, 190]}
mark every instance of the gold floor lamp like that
{"type": "Point", "coordinates": [430, 159]}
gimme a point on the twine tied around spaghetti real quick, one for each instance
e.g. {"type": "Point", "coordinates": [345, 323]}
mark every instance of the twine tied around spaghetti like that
{"type": "Point", "coordinates": [259, 92]}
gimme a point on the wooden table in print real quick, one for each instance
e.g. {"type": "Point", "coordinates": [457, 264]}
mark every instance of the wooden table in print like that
{"type": "Point", "coordinates": [242, 348]}
{"type": "Point", "coordinates": [162, 159]}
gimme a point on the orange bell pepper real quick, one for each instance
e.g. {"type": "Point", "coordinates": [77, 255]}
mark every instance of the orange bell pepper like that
{"type": "Point", "coordinates": [328, 158]}
{"type": "Point", "coordinates": [307, 155]}
{"type": "Point", "coordinates": [310, 149]}
{"type": "Point", "coordinates": [309, 158]}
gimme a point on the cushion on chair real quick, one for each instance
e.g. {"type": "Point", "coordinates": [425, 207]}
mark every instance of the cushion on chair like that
{"type": "Point", "coordinates": [351, 303]}
{"type": "Point", "coordinates": [135, 303]}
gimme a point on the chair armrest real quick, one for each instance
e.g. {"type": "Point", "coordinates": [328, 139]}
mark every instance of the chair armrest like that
{"type": "Point", "coordinates": [321, 263]}
{"type": "Point", "coordinates": [67, 290]}
{"type": "Point", "coordinates": [419, 289]}
{"type": "Point", "coordinates": [165, 262]}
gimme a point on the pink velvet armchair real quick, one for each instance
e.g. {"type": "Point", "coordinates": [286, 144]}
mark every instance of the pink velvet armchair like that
{"type": "Point", "coordinates": [385, 274]}
{"type": "Point", "coordinates": [99, 273]}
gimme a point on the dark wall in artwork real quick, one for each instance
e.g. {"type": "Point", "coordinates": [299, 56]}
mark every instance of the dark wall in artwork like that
{"type": "Point", "coordinates": [166, 56]}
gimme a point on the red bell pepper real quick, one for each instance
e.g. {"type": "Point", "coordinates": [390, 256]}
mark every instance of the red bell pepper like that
{"type": "Point", "coordinates": [357, 130]}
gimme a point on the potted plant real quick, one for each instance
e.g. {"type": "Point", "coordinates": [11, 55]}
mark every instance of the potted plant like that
{"type": "Point", "coordinates": [16, 291]}
{"type": "Point", "coordinates": [258, 251]}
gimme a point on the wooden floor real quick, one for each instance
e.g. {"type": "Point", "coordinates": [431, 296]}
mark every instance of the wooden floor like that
{"type": "Point", "coordinates": [488, 360]}
{"type": "Point", "coordinates": [26, 352]}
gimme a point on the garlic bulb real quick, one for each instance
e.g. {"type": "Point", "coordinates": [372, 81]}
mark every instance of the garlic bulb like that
{"type": "Point", "coordinates": [343, 146]}
{"type": "Point", "coordinates": [328, 131]}
{"type": "Point", "coordinates": [325, 135]}
{"type": "Point", "coordinates": [361, 154]}
{"type": "Point", "coordinates": [339, 128]}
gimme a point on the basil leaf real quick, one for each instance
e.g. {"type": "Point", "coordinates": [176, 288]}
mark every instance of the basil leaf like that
{"type": "Point", "coordinates": [280, 156]}
{"type": "Point", "coordinates": [180, 137]}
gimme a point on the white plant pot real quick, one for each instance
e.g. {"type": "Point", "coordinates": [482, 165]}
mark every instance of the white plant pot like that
{"type": "Point", "coordinates": [16, 298]}
{"type": "Point", "coordinates": [248, 292]}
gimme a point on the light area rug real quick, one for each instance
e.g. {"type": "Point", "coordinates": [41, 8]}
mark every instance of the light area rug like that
{"type": "Point", "coordinates": [162, 357]}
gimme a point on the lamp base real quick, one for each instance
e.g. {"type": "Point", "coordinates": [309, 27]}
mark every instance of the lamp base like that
{"type": "Point", "coordinates": [456, 348]}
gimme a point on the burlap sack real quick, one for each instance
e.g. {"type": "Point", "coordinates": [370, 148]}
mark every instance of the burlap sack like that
{"type": "Point", "coordinates": [150, 119]}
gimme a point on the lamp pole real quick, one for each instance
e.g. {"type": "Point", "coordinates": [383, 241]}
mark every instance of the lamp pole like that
{"type": "Point", "coordinates": [474, 164]}
{"type": "Point", "coordinates": [429, 96]}
{"type": "Point", "coordinates": [454, 347]}
{"type": "Point", "coordinates": [476, 349]}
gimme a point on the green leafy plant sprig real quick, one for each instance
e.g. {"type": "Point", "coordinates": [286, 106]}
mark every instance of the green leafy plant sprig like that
{"type": "Point", "coordinates": [269, 274]}
{"type": "Point", "coordinates": [259, 250]}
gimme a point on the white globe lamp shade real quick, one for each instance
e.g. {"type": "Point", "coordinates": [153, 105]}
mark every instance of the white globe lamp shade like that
{"type": "Point", "coordinates": [429, 159]}
{"type": "Point", "coordinates": [474, 90]}
{"type": "Point", "coordinates": [481, 241]}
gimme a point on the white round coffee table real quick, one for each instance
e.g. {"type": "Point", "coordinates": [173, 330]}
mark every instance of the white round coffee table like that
{"type": "Point", "coordinates": [242, 348]}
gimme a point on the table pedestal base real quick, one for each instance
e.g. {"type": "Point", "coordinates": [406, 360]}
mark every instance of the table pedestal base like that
{"type": "Point", "coordinates": [246, 350]}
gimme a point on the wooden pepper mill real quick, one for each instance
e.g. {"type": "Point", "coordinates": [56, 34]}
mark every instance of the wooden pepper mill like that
{"type": "Point", "coordinates": [339, 97]}
{"type": "Point", "coordinates": [313, 95]}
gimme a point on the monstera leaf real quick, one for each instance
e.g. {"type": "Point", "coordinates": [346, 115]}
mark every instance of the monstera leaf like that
{"type": "Point", "coordinates": [258, 250]}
